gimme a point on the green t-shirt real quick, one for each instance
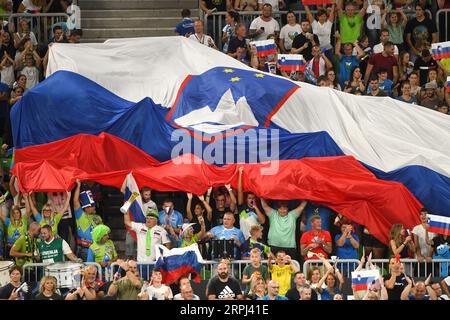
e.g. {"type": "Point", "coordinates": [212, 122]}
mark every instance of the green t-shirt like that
{"type": "Point", "coordinates": [126, 290]}
{"type": "Point", "coordinates": [396, 34]}
{"type": "Point", "coordinates": [183, 243]}
{"type": "Point", "coordinates": [25, 244]}
{"type": "Point", "coordinates": [52, 222]}
{"type": "Point", "coordinates": [350, 28]}
{"type": "Point", "coordinates": [51, 252]}
{"type": "Point", "coordinates": [13, 232]}
{"type": "Point", "coordinates": [102, 252]}
{"type": "Point", "coordinates": [249, 270]}
{"type": "Point", "coordinates": [282, 229]}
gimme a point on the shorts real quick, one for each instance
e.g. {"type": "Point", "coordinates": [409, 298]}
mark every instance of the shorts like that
{"type": "Point", "coordinates": [369, 240]}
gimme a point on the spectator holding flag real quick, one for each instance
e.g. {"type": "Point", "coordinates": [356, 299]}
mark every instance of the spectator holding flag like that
{"type": "Point", "coordinates": [171, 220]}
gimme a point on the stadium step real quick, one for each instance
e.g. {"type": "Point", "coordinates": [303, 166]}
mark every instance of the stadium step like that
{"type": "Point", "coordinates": [126, 32]}
{"type": "Point", "coordinates": [136, 4]}
{"type": "Point", "coordinates": [175, 13]}
{"type": "Point", "coordinates": [119, 23]}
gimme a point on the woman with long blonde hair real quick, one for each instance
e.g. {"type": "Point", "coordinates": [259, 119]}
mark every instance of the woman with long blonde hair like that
{"type": "Point", "coordinates": [257, 288]}
{"type": "Point", "coordinates": [47, 289]}
{"type": "Point", "coordinates": [16, 225]}
{"type": "Point", "coordinates": [400, 241]}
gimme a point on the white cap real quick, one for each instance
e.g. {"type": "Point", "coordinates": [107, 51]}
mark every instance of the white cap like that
{"type": "Point", "coordinates": [186, 226]}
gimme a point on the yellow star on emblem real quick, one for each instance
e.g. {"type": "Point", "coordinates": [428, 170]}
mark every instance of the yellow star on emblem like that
{"type": "Point", "coordinates": [228, 70]}
{"type": "Point", "coordinates": [235, 79]}
{"type": "Point", "coordinates": [259, 75]}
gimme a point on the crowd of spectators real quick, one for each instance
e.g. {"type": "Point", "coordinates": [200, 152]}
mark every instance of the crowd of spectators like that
{"type": "Point", "coordinates": [361, 47]}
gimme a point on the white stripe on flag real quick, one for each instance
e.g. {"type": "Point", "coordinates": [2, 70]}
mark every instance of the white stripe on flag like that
{"type": "Point", "coordinates": [178, 251]}
{"type": "Point", "coordinates": [131, 185]}
{"type": "Point", "coordinates": [441, 219]}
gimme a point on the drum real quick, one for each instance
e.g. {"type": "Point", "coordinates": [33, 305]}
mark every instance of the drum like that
{"type": "Point", "coordinates": [67, 274]}
{"type": "Point", "coordinates": [223, 249]}
{"type": "Point", "coordinates": [4, 272]}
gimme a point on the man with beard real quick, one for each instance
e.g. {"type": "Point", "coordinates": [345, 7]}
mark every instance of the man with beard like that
{"type": "Point", "coordinates": [53, 249]}
{"type": "Point", "coordinates": [224, 287]}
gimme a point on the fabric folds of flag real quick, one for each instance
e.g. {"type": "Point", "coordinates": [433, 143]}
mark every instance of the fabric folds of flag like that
{"type": "Point", "coordinates": [178, 262]}
{"type": "Point", "coordinates": [291, 62]}
{"type": "Point", "coordinates": [440, 50]}
{"type": "Point", "coordinates": [439, 224]}
{"type": "Point", "coordinates": [133, 202]}
{"type": "Point", "coordinates": [265, 47]}
{"type": "Point", "coordinates": [362, 279]}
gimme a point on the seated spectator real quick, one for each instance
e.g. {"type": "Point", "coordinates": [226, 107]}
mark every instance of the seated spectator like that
{"type": "Point", "coordinates": [257, 289]}
{"type": "Point", "coordinates": [384, 37]}
{"type": "Point", "coordinates": [90, 288]}
{"type": "Point", "coordinates": [319, 63]}
{"type": "Point", "coordinates": [186, 290]}
{"type": "Point", "coordinates": [17, 93]}
{"type": "Point", "coordinates": [316, 240]}
{"type": "Point", "coordinates": [300, 283]}
{"type": "Point", "coordinates": [187, 236]}
{"type": "Point", "coordinates": [237, 47]}
{"type": "Point", "coordinates": [433, 78]}
{"type": "Point", "coordinates": [395, 281]}
{"type": "Point", "coordinates": [102, 251]}
{"type": "Point", "coordinates": [347, 245]}
{"type": "Point", "coordinates": [347, 61]}
{"type": "Point", "coordinates": [246, 5]}
{"type": "Point", "coordinates": [157, 290]}
{"type": "Point", "coordinates": [227, 231]}
{"type": "Point", "coordinates": [220, 205]}
{"type": "Point", "coordinates": [273, 289]}
{"type": "Point", "coordinates": [419, 291]}
{"type": "Point", "coordinates": [321, 26]}
{"type": "Point", "coordinates": [9, 291]}
{"type": "Point", "coordinates": [32, 6]}
{"type": "Point", "coordinates": [350, 24]}
{"type": "Point", "coordinates": [406, 95]}
{"type": "Point", "coordinates": [429, 99]}
{"type": "Point", "coordinates": [7, 67]}
{"type": "Point", "coordinates": [443, 108]}
{"type": "Point", "coordinates": [384, 60]}
{"type": "Point", "coordinates": [395, 26]}
{"type": "Point", "coordinates": [384, 83]}
{"type": "Point", "coordinates": [333, 81]}
{"type": "Point", "coordinates": [229, 31]}
{"type": "Point", "coordinates": [224, 287]}
{"type": "Point", "coordinates": [423, 64]}
{"type": "Point", "coordinates": [171, 220]}
{"type": "Point", "coordinates": [75, 36]}
{"type": "Point", "coordinates": [256, 232]}
{"type": "Point", "coordinates": [265, 25]}
{"type": "Point", "coordinates": [254, 269]}
{"type": "Point", "coordinates": [428, 31]}
{"type": "Point", "coordinates": [129, 286]}
{"type": "Point", "coordinates": [304, 42]}
{"type": "Point", "coordinates": [373, 89]}
{"type": "Point", "coordinates": [306, 293]}
{"type": "Point", "coordinates": [355, 81]}
{"type": "Point", "coordinates": [289, 32]}
{"type": "Point", "coordinates": [282, 271]}
{"type": "Point", "coordinates": [405, 66]}
{"type": "Point", "coordinates": [333, 282]}
{"type": "Point", "coordinates": [413, 80]}
{"type": "Point", "coordinates": [322, 81]}
{"type": "Point", "coordinates": [185, 28]}
{"type": "Point", "coordinates": [440, 294]}
{"type": "Point", "coordinates": [24, 34]}
{"type": "Point", "coordinates": [47, 289]}
{"type": "Point", "coordinates": [25, 249]}
{"type": "Point", "coordinates": [52, 249]}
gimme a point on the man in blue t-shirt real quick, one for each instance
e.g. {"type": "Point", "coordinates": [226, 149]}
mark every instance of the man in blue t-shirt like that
{"type": "Point", "coordinates": [273, 289]}
{"type": "Point", "coordinates": [186, 27]}
{"type": "Point", "coordinates": [169, 218]}
{"type": "Point", "coordinates": [227, 231]}
{"type": "Point", "coordinates": [347, 61]}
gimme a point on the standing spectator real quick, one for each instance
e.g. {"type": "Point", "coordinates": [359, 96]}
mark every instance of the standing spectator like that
{"type": "Point", "coordinates": [321, 26]}
{"type": "Point", "coordinates": [185, 28]}
{"type": "Point", "coordinates": [395, 26]}
{"type": "Point", "coordinates": [347, 245]}
{"type": "Point", "coordinates": [186, 291]}
{"type": "Point", "coordinates": [24, 34]}
{"type": "Point", "coordinates": [273, 289]}
{"type": "Point", "coordinates": [304, 42]}
{"type": "Point", "coordinates": [316, 240]}
{"type": "Point", "coordinates": [257, 289]}
{"type": "Point", "coordinates": [157, 290]}
{"type": "Point", "coordinates": [75, 36]}
{"type": "Point", "coordinates": [334, 287]}
{"type": "Point", "coordinates": [350, 24]}
{"type": "Point", "coordinates": [47, 289]}
{"type": "Point", "coordinates": [25, 249]}
{"type": "Point", "coordinates": [148, 236]}
{"type": "Point", "coordinates": [332, 79]}
{"type": "Point", "coordinates": [90, 288]}
{"type": "Point", "coordinates": [171, 220]}
{"type": "Point", "coordinates": [348, 60]}
{"type": "Point", "coordinates": [405, 66]}
{"type": "Point", "coordinates": [276, 4]}
{"type": "Point", "coordinates": [289, 32]}
{"type": "Point", "coordinates": [56, 6]}
{"type": "Point", "coordinates": [48, 217]}
{"type": "Point", "coordinates": [237, 47]}
{"type": "Point", "coordinates": [319, 63]}
{"type": "Point", "coordinates": [300, 283]}
{"type": "Point", "coordinates": [9, 291]}
{"type": "Point", "coordinates": [31, 69]}
{"type": "Point", "coordinates": [356, 81]}
{"type": "Point", "coordinates": [424, 64]}
{"type": "Point", "coordinates": [282, 271]}
{"type": "Point", "coordinates": [322, 81]}
{"type": "Point", "coordinates": [443, 108]}
{"type": "Point", "coordinates": [395, 281]}
{"type": "Point", "coordinates": [188, 237]}
{"type": "Point", "coordinates": [282, 226]}
{"type": "Point", "coordinates": [209, 7]}
{"type": "Point", "coordinates": [129, 286]}
{"type": "Point", "coordinates": [57, 201]}
{"type": "Point", "coordinates": [249, 213]}
{"type": "Point", "coordinates": [86, 220]}
{"type": "Point", "coordinates": [32, 6]}
{"type": "Point", "coordinates": [420, 30]}
{"type": "Point", "coordinates": [406, 95]}
{"type": "Point", "coordinates": [16, 225]}
{"type": "Point", "coordinates": [229, 31]}
{"type": "Point", "coordinates": [254, 269]}
{"type": "Point", "coordinates": [102, 251]}
{"type": "Point", "coordinates": [254, 242]}
{"type": "Point", "coordinates": [438, 290]}
{"type": "Point", "coordinates": [227, 231]}
{"type": "Point", "coordinates": [422, 237]}
{"type": "Point", "coordinates": [52, 249]}
{"type": "Point", "coordinates": [384, 37]}
{"type": "Point", "coordinates": [383, 60]}
{"type": "Point", "coordinates": [429, 99]}
{"type": "Point", "coordinates": [265, 25]}
{"type": "Point", "coordinates": [246, 5]}
{"type": "Point", "coordinates": [224, 287]}
{"type": "Point", "coordinates": [220, 208]}
{"type": "Point", "coordinates": [419, 291]}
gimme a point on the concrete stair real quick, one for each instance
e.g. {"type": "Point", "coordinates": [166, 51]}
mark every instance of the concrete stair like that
{"type": "Point", "coordinates": [106, 19]}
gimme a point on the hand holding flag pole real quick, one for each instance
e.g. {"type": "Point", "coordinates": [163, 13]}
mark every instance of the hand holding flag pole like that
{"type": "Point", "coordinates": [126, 206]}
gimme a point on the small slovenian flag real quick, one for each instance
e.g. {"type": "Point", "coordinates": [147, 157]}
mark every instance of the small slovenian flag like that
{"type": "Point", "coordinates": [265, 47]}
{"type": "Point", "coordinates": [178, 262]}
{"type": "Point", "coordinates": [362, 279]}
{"type": "Point", "coordinates": [448, 84]}
{"type": "Point", "coordinates": [439, 224]}
{"type": "Point", "coordinates": [291, 62]}
{"type": "Point", "coordinates": [440, 50]}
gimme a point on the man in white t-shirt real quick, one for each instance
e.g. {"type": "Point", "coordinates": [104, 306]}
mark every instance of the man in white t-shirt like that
{"type": "Point", "coordinates": [156, 290]}
{"type": "Point", "coordinates": [420, 234]}
{"type": "Point", "coordinates": [384, 37]}
{"type": "Point", "coordinates": [200, 37]}
{"type": "Point", "coordinates": [276, 4]}
{"type": "Point", "coordinates": [289, 32]}
{"type": "Point", "coordinates": [148, 236]}
{"type": "Point", "coordinates": [263, 26]}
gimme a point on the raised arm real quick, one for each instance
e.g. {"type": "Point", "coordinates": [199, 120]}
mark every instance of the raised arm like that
{"type": "Point", "coordinates": [189, 207]}
{"type": "Point", "coordinates": [431, 292]}
{"type": "Point", "coordinates": [337, 48]}
{"type": "Point", "coordinates": [267, 209]}
{"type": "Point", "coordinates": [322, 280]}
{"type": "Point", "coordinates": [76, 196]}
{"type": "Point", "coordinates": [124, 186]}
{"type": "Point", "coordinates": [232, 198]}
{"type": "Point", "coordinates": [309, 15]}
{"type": "Point", "coordinates": [207, 207]}
{"type": "Point", "coordinates": [240, 192]}
{"type": "Point", "coordinates": [340, 9]}
{"type": "Point", "coordinates": [2, 214]}
{"type": "Point", "coordinates": [202, 232]}
{"type": "Point", "coordinates": [28, 208]}
{"type": "Point", "coordinates": [340, 278]}
{"type": "Point", "coordinates": [363, 10]}
{"type": "Point", "coordinates": [300, 208]}
{"type": "Point", "coordinates": [12, 187]}
{"type": "Point", "coordinates": [66, 204]}
{"type": "Point", "coordinates": [332, 13]}
{"type": "Point", "coordinates": [407, 290]}
{"type": "Point", "coordinates": [127, 220]}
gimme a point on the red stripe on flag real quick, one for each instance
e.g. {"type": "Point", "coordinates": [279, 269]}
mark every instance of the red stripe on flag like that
{"type": "Point", "coordinates": [279, 105]}
{"type": "Point", "coordinates": [180, 90]}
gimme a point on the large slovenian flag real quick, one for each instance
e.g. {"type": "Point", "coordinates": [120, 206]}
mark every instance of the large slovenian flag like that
{"type": "Point", "coordinates": [185, 122]}
{"type": "Point", "coordinates": [362, 279]}
{"type": "Point", "coordinates": [178, 262]}
{"type": "Point", "coordinates": [440, 50]}
{"type": "Point", "coordinates": [265, 47]}
{"type": "Point", "coordinates": [291, 62]}
{"type": "Point", "coordinates": [136, 210]}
